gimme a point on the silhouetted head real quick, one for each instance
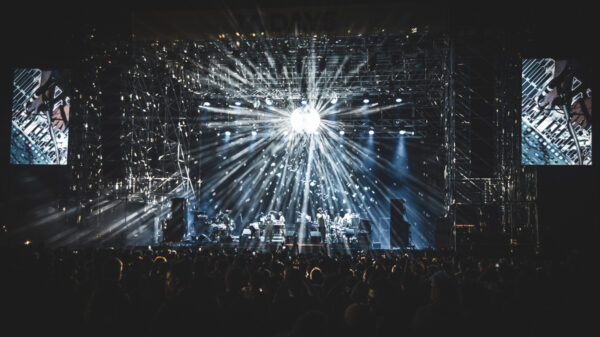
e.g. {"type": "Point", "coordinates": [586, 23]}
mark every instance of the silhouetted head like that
{"type": "Point", "coordinates": [177, 279]}
{"type": "Point", "coordinates": [359, 319]}
{"type": "Point", "coordinates": [112, 269]}
{"type": "Point", "coordinates": [316, 275]}
{"type": "Point", "coordinates": [233, 279]}
{"type": "Point", "coordinates": [444, 289]}
{"type": "Point", "coordinates": [311, 324]}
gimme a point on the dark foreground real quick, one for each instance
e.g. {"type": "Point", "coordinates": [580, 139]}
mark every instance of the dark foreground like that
{"type": "Point", "coordinates": [235, 292]}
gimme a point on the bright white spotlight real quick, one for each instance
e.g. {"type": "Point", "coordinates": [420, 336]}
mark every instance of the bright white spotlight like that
{"type": "Point", "coordinates": [402, 132]}
{"type": "Point", "coordinates": [334, 100]}
{"type": "Point", "coordinates": [254, 133]}
{"type": "Point", "coordinates": [305, 119]}
{"type": "Point", "coordinates": [227, 133]}
{"type": "Point", "coordinates": [398, 100]}
{"type": "Point", "coordinates": [366, 101]}
{"type": "Point", "coordinates": [304, 102]}
{"type": "Point", "coordinates": [311, 122]}
{"type": "Point", "coordinates": [206, 103]}
{"type": "Point", "coordinates": [268, 101]}
{"type": "Point", "coordinates": [371, 132]}
{"type": "Point", "coordinates": [297, 121]}
{"type": "Point", "coordinates": [238, 103]}
{"type": "Point", "coordinates": [342, 132]}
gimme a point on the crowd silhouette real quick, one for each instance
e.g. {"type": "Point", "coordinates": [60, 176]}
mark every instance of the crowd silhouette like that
{"type": "Point", "coordinates": [167, 291]}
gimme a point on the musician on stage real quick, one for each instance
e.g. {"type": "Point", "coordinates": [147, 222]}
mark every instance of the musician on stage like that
{"type": "Point", "coordinates": [254, 231]}
{"type": "Point", "coordinates": [221, 226]}
{"type": "Point", "coordinates": [269, 222]}
{"type": "Point", "coordinates": [227, 222]}
{"type": "Point", "coordinates": [321, 216]}
{"type": "Point", "coordinates": [338, 219]}
{"type": "Point", "coordinates": [282, 221]}
{"type": "Point", "coordinates": [347, 219]}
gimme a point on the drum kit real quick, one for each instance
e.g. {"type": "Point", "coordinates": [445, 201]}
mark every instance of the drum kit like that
{"type": "Point", "coordinates": [221, 227]}
{"type": "Point", "coordinates": [344, 230]}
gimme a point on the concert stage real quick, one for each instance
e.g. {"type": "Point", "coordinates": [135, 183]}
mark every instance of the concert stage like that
{"type": "Point", "coordinates": [406, 128]}
{"type": "Point", "coordinates": [266, 247]}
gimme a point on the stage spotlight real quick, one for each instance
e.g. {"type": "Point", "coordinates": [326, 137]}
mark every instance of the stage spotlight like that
{"type": "Point", "coordinates": [206, 103]}
{"type": "Point", "coordinates": [254, 133]}
{"type": "Point", "coordinates": [304, 102]}
{"type": "Point", "coordinates": [342, 132]}
{"type": "Point", "coordinates": [305, 119]}
{"type": "Point", "coordinates": [268, 101]}
{"type": "Point", "coordinates": [402, 132]}
{"type": "Point", "coordinates": [366, 101]}
{"type": "Point", "coordinates": [334, 100]}
{"type": "Point", "coordinates": [371, 132]}
{"type": "Point", "coordinates": [296, 120]}
{"type": "Point", "coordinates": [227, 133]}
{"type": "Point", "coordinates": [398, 100]}
{"type": "Point", "coordinates": [238, 103]}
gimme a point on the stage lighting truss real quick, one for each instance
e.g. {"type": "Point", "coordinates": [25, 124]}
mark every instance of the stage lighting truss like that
{"type": "Point", "coordinates": [171, 83]}
{"type": "Point", "coordinates": [506, 197]}
{"type": "Point", "coordinates": [166, 125]}
{"type": "Point", "coordinates": [305, 120]}
{"type": "Point", "coordinates": [164, 118]}
{"type": "Point", "coordinates": [385, 129]}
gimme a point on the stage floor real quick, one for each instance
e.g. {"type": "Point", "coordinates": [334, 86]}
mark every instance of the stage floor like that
{"type": "Point", "coordinates": [326, 248]}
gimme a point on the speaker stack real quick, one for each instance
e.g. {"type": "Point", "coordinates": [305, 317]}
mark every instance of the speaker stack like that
{"type": "Point", "coordinates": [399, 233]}
{"type": "Point", "coordinates": [175, 227]}
{"type": "Point", "coordinates": [315, 237]}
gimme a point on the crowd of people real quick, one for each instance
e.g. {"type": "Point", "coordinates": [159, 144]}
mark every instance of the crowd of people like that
{"type": "Point", "coordinates": [166, 291]}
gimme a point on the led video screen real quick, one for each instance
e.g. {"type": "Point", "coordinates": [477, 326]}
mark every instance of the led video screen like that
{"type": "Point", "coordinates": [41, 106]}
{"type": "Point", "coordinates": [556, 112]}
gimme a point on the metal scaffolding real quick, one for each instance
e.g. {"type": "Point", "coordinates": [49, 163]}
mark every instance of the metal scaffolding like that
{"type": "Point", "coordinates": [165, 84]}
{"type": "Point", "coordinates": [169, 82]}
{"type": "Point", "coordinates": [503, 198]}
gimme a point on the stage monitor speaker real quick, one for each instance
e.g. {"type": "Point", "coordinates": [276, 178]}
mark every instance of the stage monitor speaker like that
{"type": "Point", "coordinates": [291, 236]}
{"type": "Point", "coordinates": [315, 237]}
{"type": "Point", "coordinates": [363, 241]}
{"type": "Point", "coordinates": [364, 225]}
{"type": "Point", "coordinates": [175, 226]}
{"type": "Point", "coordinates": [399, 234]}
